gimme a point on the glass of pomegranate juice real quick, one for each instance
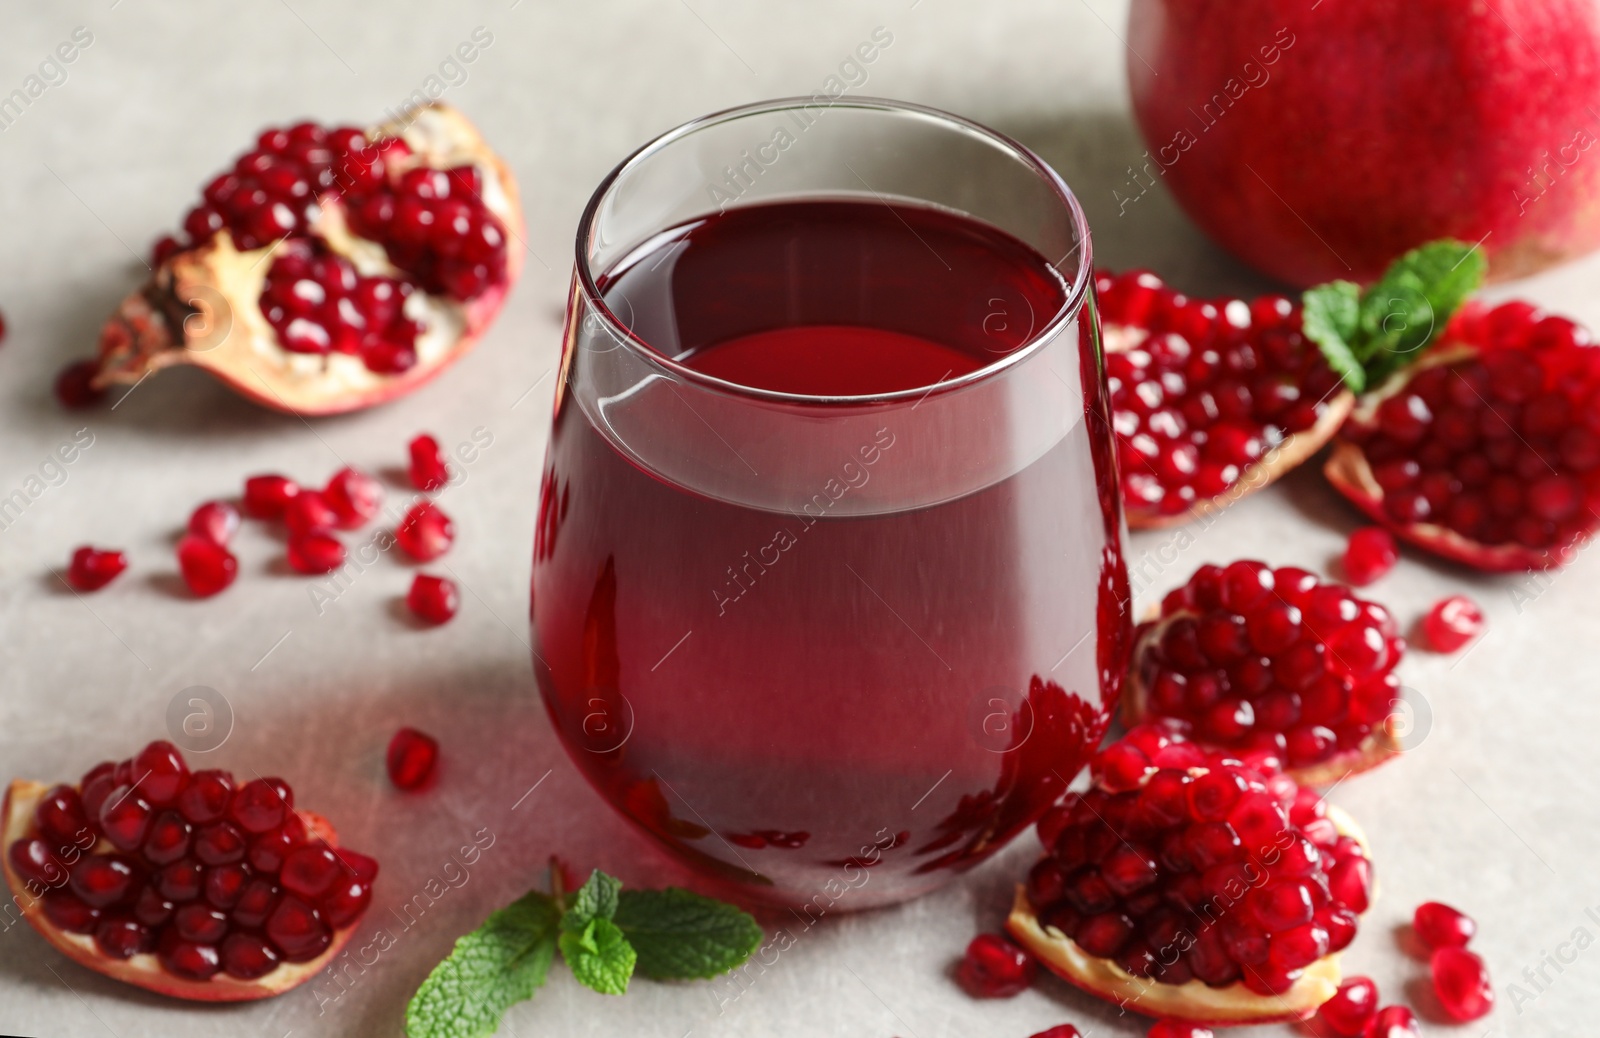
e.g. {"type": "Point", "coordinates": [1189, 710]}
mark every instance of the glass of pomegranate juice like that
{"type": "Point", "coordinates": [827, 586]}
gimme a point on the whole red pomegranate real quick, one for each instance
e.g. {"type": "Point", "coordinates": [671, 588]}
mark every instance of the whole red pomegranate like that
{"type": "Point", "coordinates": [1321, 140]}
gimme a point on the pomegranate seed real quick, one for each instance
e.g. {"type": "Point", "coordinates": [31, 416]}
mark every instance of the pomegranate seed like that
{"type": "Point", "coordinates": [223, 885]}
{"type": "Point", "coordinates": [181, 881]}
{"type": "Point", "coordinates": [309, 512]}
{"type": "Point", "coordinates": [426, 532]}
{"type": "Point", "coordinates": [207, 567]}
{"type": "Point", "coordinates": [1355, 1003]}
{"type": "Point", "coordinates": [246, 956]}
{"type": "Point", "coordinates": [61, 818]}
{"type": "Point", "coordinates": [354, 497]}
{"type": "Point", "coordinates": [259, 805]}
{"type": "Point", "coordinates": [92, 569]}
{"type": "Point", "coordinates": [75, 387]}
{"type": "Point", "coordinates": [1370, 553]}
{"type": "Point", "coordinates": [1393, 1022]}
{"type": "Point", "coordinates": [168, 839]}
{"type": "Point", "coordinates": [200, 923]}
{"type": "Point", "coordinates": [125, 818]}
{"type": "Point", "coordinates": [1461, 981]}
{"type": "Point", "coordinates": [121, 937]}
{"type": "Point", "coordinates": [411, 759]}
{"type": "Point", "coordinates": [1179, 1029]}
{"type": "Point", "coordinates": [1452, 623]}
{"type": "Point", "coordinates": [216, 521]}
{"type": "Point", "coordinates": [344, 904]}
{"type": "Point", "coordinates": [205, 799]}
{"type": "Point", "coordinates": [315, 552]}
{"type": "Point", "coordinates": [265, 497]}
{"type": "Point", "coordinates": [1440, 926]}
{"type": "Point", "coordinates": [297, 930]}
{"type": "Point", "coordinates": [1059, 1031]}
{"type": "Point", "coordinates": [993, 967]}
{"type": "Point", "coordinates": [434, 599]}
{"type": "Point", "coordinates": [220, 843]}
{"type": "Point", "coordinates": [429, 471]}
{"type": "Point", "coordinates": [35, 862]}
{"type": "Point", "coordinates": [103, 879]}
{"type": "Point", "coordinates": [160, 772]}
{"type": "Point", "coordinates": [67, 913]}
{"type": "Point", "coordinates": [310, 872]}
{"type": "Point", "coordinates": [186, 959]}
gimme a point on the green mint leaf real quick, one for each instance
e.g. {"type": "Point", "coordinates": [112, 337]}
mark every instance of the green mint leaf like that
{"type": "Point", "coordinates": [1413, 301]}
{"type": "Point", "coordinates": [502, 962]}
{"type": "Point", "coordinates": [1330, 316]}
{"type": "Point", "coordinates": [599, 956]}
{"type": "Point", "coordinates": [681, 935]}
{"type": "Point", "coordinates": [596, 899]}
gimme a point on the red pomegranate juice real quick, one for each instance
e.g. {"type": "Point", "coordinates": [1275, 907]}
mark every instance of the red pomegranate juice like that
{"type": "Point", "coordinates": [830, 707]}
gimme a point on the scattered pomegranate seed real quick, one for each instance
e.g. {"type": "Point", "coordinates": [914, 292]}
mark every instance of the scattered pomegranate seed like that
{"type": "Point", "coordinates": [1440, 926]}
{"type": "Point", "coordinates": [92, 568]}
{"type": "Point", "coordinates": [1452, 623]}
{"type": "Point", "coordinates": [426, 532]}
{"type": "Point", "coordinates": [188, 881]}
{"type": "Point", "coordinates": [412, 757]}
{"type": "Point", "coordinates": [1355, 1003]}
{"type": "Point", "coordinates": [216, 521]}
{"type": "Point", "coordinates": [1393, 1022]}
{"type": "Point", "coordinates": [434, 599]}
{"type": "Point", "coordinates": [1461, 980]}
{"type": "Point", "coordinates": [1179, 1029]}
{"type": "Point", "coordinates": [354, 497]}
{"type": "Point", "coordinates": [74, 385]}
{"type": "Point", "coordinates": [315, 552]}
{"type": "Point", "coordinates": [429, 470]}
{"type": "Point", "coordinates": [993, 967]}
{"type": "Point", "coordinates": [1058, 1031]}
{"type": "Point", "coordinates": [265, 497]}
{"type": "Point", "coordinates": [1370, 553]}
{"type": "Point", "coordinates": [207, 566]}
{"type": "Point", "coordinates": [309, 512]}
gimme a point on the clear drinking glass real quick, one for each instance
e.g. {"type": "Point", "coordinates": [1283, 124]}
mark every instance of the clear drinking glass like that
{"type": "Point", "coordinates": [831, 645]}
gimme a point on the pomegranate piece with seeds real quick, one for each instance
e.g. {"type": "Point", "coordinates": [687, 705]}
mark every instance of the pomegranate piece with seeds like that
{"type": "Point", "coordinates": [1210, 400]}
{"type": "Point", "coordinates": [993, 967]}
{"type": "Point", "coordinates": [207, 567]}
{"type": "Point", "coordinates": [1275, 665]}
{"type": "Point", "coordinates": [1486, 449]}
{"type": "Point", "coordinates": [1195, 867]}
{"type": "Point", "coordinates": [411, 760]}
{"type": "Point", "coordinates": [216, 521]}
{"type": "Point", "coordinates": [93, 568]}
{"type": "Point", "coordinates": [1370, 553]}
{"type": "Point", "coordinates": [329, 269]}
{"type": "Point", "coordinates": [434, 599]}
{"type": "Point", "coordinates": [1355, 1003]}
{"type": "Point", "coordinates": [1439, 926]}
{"type": "Point", "coordinates": [1452, 623]}
{"type": "Point", "coordinates": [1461, 981]}
{"type": "Point", "coordinates": [426, 532]}
{"type": "Point", "coordinates": [153, 885]}
{"type": "Point", "coordinates": [428, 471]}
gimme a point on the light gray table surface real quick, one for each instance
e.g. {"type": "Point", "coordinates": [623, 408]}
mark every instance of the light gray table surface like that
{"type": "Point", "coordinates": [1493, 810]}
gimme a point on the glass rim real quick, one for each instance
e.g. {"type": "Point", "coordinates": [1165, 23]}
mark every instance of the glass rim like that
{"type": "Point", "coordinates": [1077, 290]}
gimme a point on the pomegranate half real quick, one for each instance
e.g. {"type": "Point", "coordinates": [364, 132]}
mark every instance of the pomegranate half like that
{"type": "Point", "coordinates": [330, 269]}
{"type": "Point", "coordinates": [1486, 449]}
{"type": "Point", "coordinates": [1195, 887]}
{"type": "Point", "coordinates": [181, 883]}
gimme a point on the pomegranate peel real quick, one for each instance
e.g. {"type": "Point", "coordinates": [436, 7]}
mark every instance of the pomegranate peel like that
{"type": "Point", "coordinates": [1194, 1001]}
{"type": "Point", "coordinates": [143, 970]}
{"type": "Point", "coordinates": [205, 305]}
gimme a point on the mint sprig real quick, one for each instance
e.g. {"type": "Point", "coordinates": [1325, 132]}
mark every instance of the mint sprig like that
{"type": "Point", "coordinates": [602, 931]}
{"type": "Point", "coordinates": [1368, 335]}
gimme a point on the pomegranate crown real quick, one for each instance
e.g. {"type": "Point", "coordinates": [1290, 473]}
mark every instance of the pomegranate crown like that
{"type": "Point", "coordinates": [1368, 335]}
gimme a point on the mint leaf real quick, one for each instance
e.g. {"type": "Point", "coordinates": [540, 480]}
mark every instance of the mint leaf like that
{"type": "Point", "coordinates": [1397, 317]}
{"type": "Point", "coordinates": [1330, 318]}
{"type": "Point", "coordinates": [502, 962]}
{"type": "Point", "coordinates": [599, 956]}
{"type": "Point", "coordinates": [596, 899]}
{"type": "Point", "coordinates": [681, 935]}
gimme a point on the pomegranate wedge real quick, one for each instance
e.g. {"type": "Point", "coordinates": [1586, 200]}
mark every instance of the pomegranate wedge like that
{"type": "Point", "coordinates": [330, 269]}
{"type": "Point", "coordinates": [186, 884]}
